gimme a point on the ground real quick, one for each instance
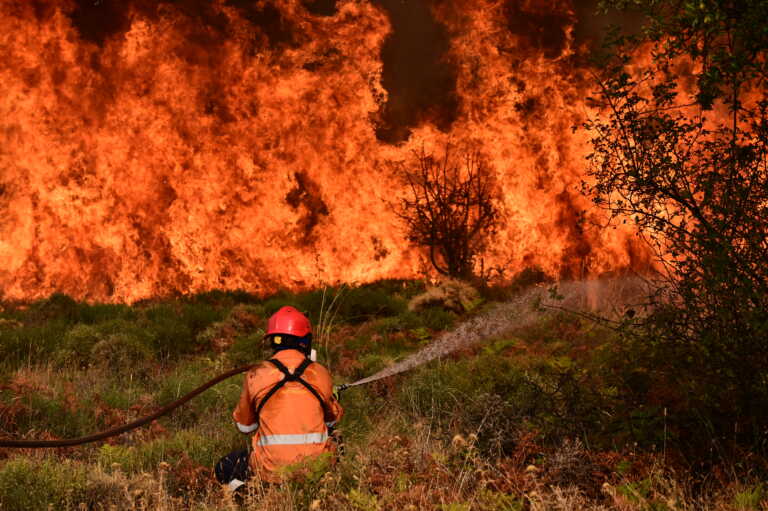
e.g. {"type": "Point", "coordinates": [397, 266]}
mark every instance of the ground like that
{"type": "Point", "coordinates": [534, 418]}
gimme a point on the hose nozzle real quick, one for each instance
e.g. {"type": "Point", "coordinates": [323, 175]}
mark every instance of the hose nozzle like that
{"type": "Point", "coordinates": [340, 388]}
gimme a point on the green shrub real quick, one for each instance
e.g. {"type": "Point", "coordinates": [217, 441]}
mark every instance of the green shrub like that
{"type": "Point", "coordinates": [32, 343]}
{"type": "Point", "coordinates": [120, 394]}
{"type": "Point", "coordinates": [42, 484]}
{"type": "Point", "coordinates": [496, 397]}
{"type": "Point", "coordinates": [220, 298]}
{"type": "Point", "coordinates": [56, 415]}
{"type": "Point", "coordinates": [216, 402]}
{"type": "Point", "coordinates": [486, 394]}
{"type": "Point", "coordinates": [171, 336]}
{"type": "Point", "coordinates": [455, 506]}
{"type": "Point", "coordinates": [363, 303]}
{"type": "Point", "coordinates": [56, 306]}
{"type": "Point", "coordinates": [121, 352]}
{"type": "Point", "coordinates": [102, 312]}
{"type": "Point", "coordinates": [242, 321]}
{"type": "Point", "coordinates": [247, 349]}
{"type": "Point", "coordinates": [77, 344]}
{"type": "Point", "coordinates": [352, 304]}
{"type": "Point", "coordinates": [496, 501]}
{"type": "Point", "coordinates": [199, 316]}
{"type": "Point", "coordinates": [361, 407]}
{"type": "Point", "coordinates": [363, 500]}
{"type": "Point", "coordinates": [203, 449]}
{"type": "Point", "coordinates": [433, 318]}
{"type": "Point", "coordinates": [750, 498]}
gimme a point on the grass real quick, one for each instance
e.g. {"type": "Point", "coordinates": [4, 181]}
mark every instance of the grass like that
{"type": "Point", "coordinates": [531, 420]}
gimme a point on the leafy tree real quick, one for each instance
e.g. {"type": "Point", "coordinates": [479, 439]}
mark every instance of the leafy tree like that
{"type": "Point", "coordinates": [681, 148]}
{"type": "Point", "coordinates": [451, 207]}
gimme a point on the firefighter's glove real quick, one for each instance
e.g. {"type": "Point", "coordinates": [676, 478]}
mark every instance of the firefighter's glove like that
{"type": "Point", "coordinates": [337, 390]}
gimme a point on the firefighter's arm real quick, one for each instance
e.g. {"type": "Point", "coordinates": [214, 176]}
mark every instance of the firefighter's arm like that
{"type": "Point", "coordinates": [244, 415]}
{"type": "Point", "coordinates": [335, 412]}
{"type": "Point", "coordinates": [322, 379]}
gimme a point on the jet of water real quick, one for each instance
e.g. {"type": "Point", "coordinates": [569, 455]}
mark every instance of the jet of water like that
{"type": "Point", "coordinates": [605, 297]}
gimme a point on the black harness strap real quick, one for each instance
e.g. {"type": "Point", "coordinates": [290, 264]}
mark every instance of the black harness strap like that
{"type": "Point", "coordinates": [295, 376]}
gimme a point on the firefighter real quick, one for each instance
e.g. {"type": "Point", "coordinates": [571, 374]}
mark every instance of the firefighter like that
{"type": "Point", "coordinates": [287, 403]}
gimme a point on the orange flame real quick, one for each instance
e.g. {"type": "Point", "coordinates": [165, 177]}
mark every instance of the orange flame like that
{"type": "Point", "coordinates": [178, 156]}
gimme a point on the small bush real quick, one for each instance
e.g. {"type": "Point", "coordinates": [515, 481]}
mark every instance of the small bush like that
{"type": "Point", "coordinates": [353, 305]}
{"type": "Point", "coordinates": [433, 318]}
{"type": "Point", "coordinates": [750, 498]}
{"type": "Point", "coordinates": [497, 397]}
{"type": "Point", "coordinates": [56, 306]}
{"type": "Point", "coordinates": [199, 316]}
{"type": "Point", "coordinates": [202, 449]}
{"type": "Point", "coordinates": [185, 379]}
{"type": "Point", "coordinates": [451, 294]}
{"type": "Point", "coordinates": [32, 342]}
{"type": "Point", "coordinates": [247, 349]}
{"type": "Point", "coordinates": [171, 335]}
{"type": "Point", "coordinates": [56, 414]}
{"type": "Point", "coordinates": [41, 484]}
{"type": "Point", "coordinates": [242, 320]}
{"type": "Point", "coordinates": [102, 312]}
{"type": "Point", "coordinates": [77, 344]}
{"type": "Point", "coordinates": [121, 352]}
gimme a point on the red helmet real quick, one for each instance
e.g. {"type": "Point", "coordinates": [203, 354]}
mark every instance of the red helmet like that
{"type": "Point", "coordinates": [288, 321]}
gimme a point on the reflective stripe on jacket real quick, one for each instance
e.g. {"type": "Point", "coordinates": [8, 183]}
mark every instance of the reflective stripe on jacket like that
{"type": "Point", "coordinates": [291, 426]}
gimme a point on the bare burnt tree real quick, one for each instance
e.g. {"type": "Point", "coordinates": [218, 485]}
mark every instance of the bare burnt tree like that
{"type": "Point", "coordinates": [451, 207]}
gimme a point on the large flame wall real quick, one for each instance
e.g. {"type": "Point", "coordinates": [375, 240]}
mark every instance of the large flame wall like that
{"type": "Point", "coordinates": [176, 154]}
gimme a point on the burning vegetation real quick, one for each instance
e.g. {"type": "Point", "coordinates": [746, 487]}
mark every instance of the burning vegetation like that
{"type": "Point", "coordinates": [161, 147]}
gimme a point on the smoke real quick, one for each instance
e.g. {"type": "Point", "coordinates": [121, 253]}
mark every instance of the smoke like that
{"type": "Point", "coordinates": [320, 7]}
{"type": "Point", "coordinates": [592, 26]}
{"type": "Point", "coordinates": [97, 21]}
{"type": "Point", "coordinates": [544, 29]}
{"type": "Point", "coordinates": [419, 78]}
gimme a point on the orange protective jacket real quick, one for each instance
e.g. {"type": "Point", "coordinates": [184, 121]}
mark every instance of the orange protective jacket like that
{"type": "Point", "coordinates": [291, 426]}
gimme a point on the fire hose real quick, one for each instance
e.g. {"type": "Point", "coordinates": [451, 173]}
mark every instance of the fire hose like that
{"type": "Point", "coordinates": [69, 442]}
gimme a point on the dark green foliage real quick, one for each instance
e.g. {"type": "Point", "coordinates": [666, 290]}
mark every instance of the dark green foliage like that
{"type": "Point", "coordinates": [101, 312]}
{"type": "Point", "coordinates": [171, 335]}
{"type": "Point", "coordinates": [198, 316]}
{"type": "Point", "coordinates": [64, 331]}
{"type": "Point", "coordinates": [361, 406]}
{"type": "Point", "coordinates": [433, 318]}
{"type": "Point", "coordinates": [498, 398]}
{"type": "Point", "coordinates": [58, 306]}
{"type": "Point", "coordinates": [63, 308]}
{"type": "Point", "coordinates": [218, 298]}
{"type": "Point", "coordinates": [186, 378]}
{"type": "Point", "coordinates": [77, 344]}
{"type": "Point", "coordinates": [132, 459]}
{"type": "Point", "coordinates": [45, 412]}
{"type": "Point", "coordinates": [405, 289]}
{"type": "Point", "coordinates": [31, 343]}
{"type": "Point", "coordinates": [247, 349]}
{"type": "Point", "coordinates": [681, 151]}
{"type": "Point", "coordinates": [121, 352]}
{"type": "Point", "coordinates": [352, 304]}
{"type": "Point", "coordinates": [41, 484]}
